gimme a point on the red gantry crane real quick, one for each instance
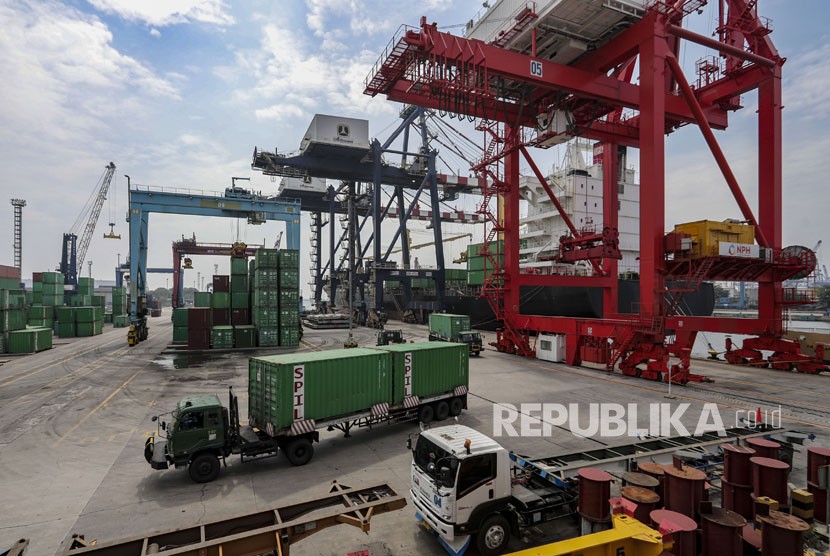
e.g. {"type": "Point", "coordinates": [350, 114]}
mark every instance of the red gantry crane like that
{"type": "Point", "coordinates": [537, 82]}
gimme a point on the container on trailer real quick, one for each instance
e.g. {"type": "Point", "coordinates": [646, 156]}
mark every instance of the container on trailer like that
{"type": "Point", "coordinates": [332, 383]}
{"type": "Point", "coordinates": [427, 368]}
{"type": "Point", "coordinates": [448, 325]}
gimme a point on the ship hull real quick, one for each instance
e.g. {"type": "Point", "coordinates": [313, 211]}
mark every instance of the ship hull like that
{"type": "Point", "coordinates": [555, 301]}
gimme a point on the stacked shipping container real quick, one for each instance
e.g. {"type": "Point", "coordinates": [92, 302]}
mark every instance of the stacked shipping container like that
{"type": "Point", "coordinates": [265, 309]}
{"type": "Point", "coordinates": [289, 297]}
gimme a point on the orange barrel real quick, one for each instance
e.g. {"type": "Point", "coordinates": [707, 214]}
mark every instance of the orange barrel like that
{"type": "Point", "coordinates": [816, 457]}
{"type": "Point", "coordinates": [737, 498]}
{"type": "Point", "coordinates": [683, 531]}
{"type": "Point", "coordinates": [769, 478]}
{"type": "Point", "coordinates": [819, 502]}
{"type": "Point", "coordinates": [632, 478]}
{"type": "Point", "coordinates": [722, 533]}
{"type": "Point", "coordinates": [782, 534]}
{"type": "Point", "coordinates": [736, 467]}
{"type": "Point", "coordinates": [645, 499]}
{"type": "Point", "coordinates": [655, 470]}
{"type": "Point", "coordinates": [594, 493]}
{"type": "Point", "coordinates": [764, 448]}
{"type": "Point", "coordinates": [685, 489]}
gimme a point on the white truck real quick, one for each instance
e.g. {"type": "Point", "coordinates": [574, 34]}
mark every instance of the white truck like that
{"type": "Point", "coordinates": [470, 491]}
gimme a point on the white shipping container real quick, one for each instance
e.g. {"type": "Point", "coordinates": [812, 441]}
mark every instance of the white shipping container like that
{"type": "Point", "coordinates": [336, 130]}
{"type": "Point", "coordinates": [551, 347]}
{"type": "Point", "coordinates": [307, 184]}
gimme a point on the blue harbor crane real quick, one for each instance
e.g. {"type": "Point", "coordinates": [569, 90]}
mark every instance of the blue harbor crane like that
{"type": "Point", "coordinates": [73, 252]}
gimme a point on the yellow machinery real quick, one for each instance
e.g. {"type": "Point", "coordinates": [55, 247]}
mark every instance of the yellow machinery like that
{"type": "Point", "coordinates": [132, 336]}
{"type": "Point", "coordinates": [707, 235]}
{"type": "Point", "coordinates": [628, 536]}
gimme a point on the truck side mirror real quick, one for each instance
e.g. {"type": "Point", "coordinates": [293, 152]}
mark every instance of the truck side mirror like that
{"type": "Point", "coordinates": [163, 426]}
{"type": "Point", "coordinates": [446, 478]}
{"type": "Point", "coordinates": [155, 418]}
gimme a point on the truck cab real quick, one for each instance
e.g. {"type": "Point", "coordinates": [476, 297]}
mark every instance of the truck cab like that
{"type": "Point", "coordinates": [472, 339]}
{"type": "Point", "coordinates": [196, 436]}
{"type": "Point", "coordinates": [461, 488]}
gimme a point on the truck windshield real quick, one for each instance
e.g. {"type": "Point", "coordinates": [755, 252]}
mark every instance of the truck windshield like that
{"type": "Point", "coordinates": [431, 458]}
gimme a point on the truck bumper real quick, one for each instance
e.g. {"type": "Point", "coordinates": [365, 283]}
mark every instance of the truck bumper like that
{"type": "Point", "coordinates": [158, 455]}
{"type": "Point", "coordinates": [455, 545]}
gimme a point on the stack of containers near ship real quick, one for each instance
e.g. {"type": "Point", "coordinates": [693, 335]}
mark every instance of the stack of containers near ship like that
{"type": "Point", "coordinates": [180, 319]}
{"type": "Point", "coordinates": [42, 313]}
{"type": "Point", "coordinates": [266, 297]}
{"type": "Point", "coordinates": [89, 321]}
{"type": "Point", "coordinates": [222, 331]}
{"type": "Point", "coordinates": [477, 261]}
{"type": "Point", "coordinates": [12, 305]}
{"type": "Point", "coordinates": [198, 328]}
{"type": "Point", "coordinates": [244, 334]}
{"type": "Point", "coordinates": [289, 297]}
{"type": "Point", "coordinates": [120, 306]}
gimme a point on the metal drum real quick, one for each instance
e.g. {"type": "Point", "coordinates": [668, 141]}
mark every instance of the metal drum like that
{"type": "Point", "coordinates": [782, 534]}
{"type": "Point", "coordinates": [683, 531]}
{"type": "Point", "coordinates": [722, 533]}
{"type": "Point", "coordinates": [645, 499]}
{"type": "Point", "coordinates": [642, 480]}
{"type": "Point", "coordinates": [769, 478]}
{"type": "Point", "coordinates": [685, 490]}
{"type": "Point", "coordinates": [736, 466]}
{"type": "Point", "coordinates": [816, 457]}
{"type": "Point", "coordinates": [594, 493]}
{"type": "Point", "coordinates": [764, 448]}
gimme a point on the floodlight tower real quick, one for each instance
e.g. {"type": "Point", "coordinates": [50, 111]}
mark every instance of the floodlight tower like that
{"type": "Point", "coordinates": [18, 205]}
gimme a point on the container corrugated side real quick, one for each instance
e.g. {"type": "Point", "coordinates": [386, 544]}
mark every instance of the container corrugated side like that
{"type": "Point", "coordinates": [320, 386]}
{"type": "Point", "coordinates": [433, 368]}
{"type": "Point", "coordinates": [448, 325]}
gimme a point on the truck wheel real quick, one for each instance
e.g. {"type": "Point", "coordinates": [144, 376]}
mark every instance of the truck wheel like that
{"type": "Point", "coordinates": [299, 451]}
{"type": "Point", "coordinates": [204, 468]}
{"type": "Point", "coordinates": [442, 410]}
{"type": "Point", "coordinates": [148, 452]}
{"type": "Point", "coordinates": [456, 407]}
{"type": "Point", "coordinates": [493, 536]}
{"type": "Point", "coordinates": [426, 414]}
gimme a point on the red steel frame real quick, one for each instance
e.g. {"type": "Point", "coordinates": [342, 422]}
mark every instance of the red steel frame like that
{"type": "Point", "coordinates": [507, 90]}
{"type": "Point", "coordinates": [187, 246]}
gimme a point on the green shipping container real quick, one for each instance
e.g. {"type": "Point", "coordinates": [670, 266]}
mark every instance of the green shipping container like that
{"type": "Point", "coordinates": [474, 249]}
{"type": "Point", "coordinates": [267, 258]}
{"type": "Point", "coordinates": [239, 284]}
{"type": "Point", "coordinates": [221, 337]}
{"type": "Point", "coordinates": [84, 329]}
{"type": "Point", "coordinates": [37, 287]}
{"type": "Point", "coordinates": [80, 300]}
{"type": "Point", "coordinates": [334, 383]}
{"type": "Point", "coordinates": [15, 319]}
{"type": "Point", "coordinates": [40, 323]}
{"type": "Point", "coordinates": [289, 298]}
{"type": "Point", "coordinates": [86, 282]}
{"type": "Point", "coordinates": [435, 368]}
{"type": "Point", "coordinates": [99, 313]}
{"type": "Point", "coordinates": [289, 278]}
{"type": "Point", "coordinates": [268, 337]}
{"type": "Point", "coordinates": [266, 298]}
{"type": "Point", "coordinates": [99, 327]}
{"type": "Point", "coordinates": [12, 299]}
{"type": "Point", "coordinates": [452, 274]}
{"type": "Point", "coordinates": [266, 317]}
{"type": "Point", "coordinates": [52, 278]}
{"type": "Point", "coordinates": [289, 336]}
{"type": "Point", "coordinates": [266, 278]}
{"type": "Point", "coordinates": [52, 300]}
{"type": "Point", "coordinates": [30, 340]}
{"type": "Point", "coordinates": [289, 317]}
{"type": "Point", "coordinates": [107, 318]}
{"type": "Point", "coordinates": [42, 312]}
{"type": "Point", "coordinates": [120, 321]}
{"type": "Point", "coordinates": [239, 267]}
{"type": "Point", "coordinates": [99, 301]}
{"type": "Point", "coordinates": [475, 278]}
{"type": "Point", "coordinates": [4, 342]}
{"type": "Point", "coordinates": [240, 300]}
{"type": "Point", "coordinates": [289, 259]}
{"type": "Point", "coordinates": [244, 336]}
{"type": "Point", "coordinates": [180, 317]}
{"type": "Point", "coordinates": [202, 299]}
{"type": "Point", "coordinates": [448, 325]}
{"type": "Point", "coordinates": [66, 329]}
{"type": "Point", "coordinates": [221, 300]}
{"type": "Point", "coordinates": [9, 284]}
{"type": "Point", "coordinates": [65, 314]}
{"type": "Point", "coordinates": [179, 334]}
{"type": "Point", "coordinates": [37, 298]}
{"type": "Point", "coordinates": [85, 314]}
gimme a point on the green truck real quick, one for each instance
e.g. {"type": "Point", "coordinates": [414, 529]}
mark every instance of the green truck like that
{"type": "Point", "coordinates": [291, 397]}
{"type": "Point", "coordinates": [444, 327]}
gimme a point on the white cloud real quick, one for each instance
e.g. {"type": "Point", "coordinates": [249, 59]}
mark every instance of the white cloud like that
{"type": "Point", "coordinates": [168, 12]}
{"type": "Point", "coordinates": [806, 88]}
{"type": "Point", "coordinates": [155, 32]}
{"type": "Point", "coordinates": [280, 112]}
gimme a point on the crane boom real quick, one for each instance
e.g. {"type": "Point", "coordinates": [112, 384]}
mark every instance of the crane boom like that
{"type": "Point", "coordinates": [73, 253]}
{"type": "Point", "coordinates": [427, 244]}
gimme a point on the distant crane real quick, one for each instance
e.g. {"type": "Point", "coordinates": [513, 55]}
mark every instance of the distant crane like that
{"type": "Point", "coordinates": [18, 205]}
{"type": "Point", "coordinates": [74, 253]}
{"type": "Point", "coordinates": [427, 244]}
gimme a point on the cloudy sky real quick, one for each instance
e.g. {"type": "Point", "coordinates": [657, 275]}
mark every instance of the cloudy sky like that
{"type": "Point", "coordinates": [177, 93]}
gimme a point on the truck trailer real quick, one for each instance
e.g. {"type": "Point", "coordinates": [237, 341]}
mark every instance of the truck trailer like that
{"type": "Point", "coordinates": [470, 491]}
{"type": "Point", "coordinates": [291, 397]}
{"type": "Point", "coordinates": [444, 327]}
